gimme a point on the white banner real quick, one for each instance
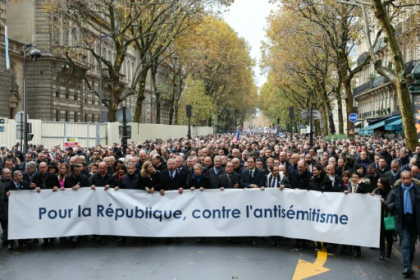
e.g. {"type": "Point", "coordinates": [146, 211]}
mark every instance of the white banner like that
{"type": "Point", "coordinates": [352, 219]}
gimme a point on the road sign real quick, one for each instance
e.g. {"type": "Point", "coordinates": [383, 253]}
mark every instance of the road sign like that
{"type": "Point", "coordinates": [316, 114]}
{"type": "Point", "coordinates": [119, 115]}
{"type": "Point", "coordinates": [127, 130]}
{"type": "Point", "coordinates": [353, 117]}
{"type": "Point", "coordinates": [19, 117]}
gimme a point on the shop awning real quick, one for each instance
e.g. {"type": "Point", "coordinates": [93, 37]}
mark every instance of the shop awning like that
{"type": "Point", "coordinates": [370, 129]}
{"type": "Point", "coordinates": [395, 125]}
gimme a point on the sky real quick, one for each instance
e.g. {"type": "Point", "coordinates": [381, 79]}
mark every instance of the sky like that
{"type": "Point", "coordinates": [248, 19]}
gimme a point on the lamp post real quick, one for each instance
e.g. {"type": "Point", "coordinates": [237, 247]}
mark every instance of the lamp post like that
{"type": "Point", "coordinates": [35, 54]}
{"type": "Point", "coordinates": [189, 112]}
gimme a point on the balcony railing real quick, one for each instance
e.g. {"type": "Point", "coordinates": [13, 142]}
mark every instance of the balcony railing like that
{"type": "Point", "coordinates": [362, 88]}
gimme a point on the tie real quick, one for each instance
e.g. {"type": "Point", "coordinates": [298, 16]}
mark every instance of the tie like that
{"type": "Point", "coordinates": [230, 177]}
{"type": "Point", "coordinates": [173, 174]}
{"type": "Point", "coordinates": [273, 183]}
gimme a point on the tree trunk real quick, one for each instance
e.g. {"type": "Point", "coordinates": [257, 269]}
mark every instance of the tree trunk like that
{"type": "Point", "coordinates": [157, 94]}
{"type": "Point", "coordinates": [172, 101]}
{"type": "Point", "coordinates": [349, 106]}
{"type": "Point", "coordinates": [340, 112]}
{"type": "Point", "coordinates": [324, 120]}
{"type": "Point", "coordinates": [140, 95]}
{"type": "Point", "coordinates": [399, 81]}
{"type": "Point", "coordinates": [176, 103]}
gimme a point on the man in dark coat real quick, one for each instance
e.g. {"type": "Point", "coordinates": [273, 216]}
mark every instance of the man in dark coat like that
{"type": "Point", "coordinates": [404, 201]}
{"type": "Point", "coordinates": [103, 178]}
{"type": "Point", "coordinates": [4, 182]}
{"type": "Point", "coordinates": [215, 171]}
{"type": "Point", "coordinates": [16, 184]}
{"type": "Point", "coordinates": [300, 179]}
{"type": "Point", "coordinates": [252, 177]}
{"type": "Point", "coordinates": [129, 180]}
{"type": "Point", "coordinates": [44, 180]}
{"type": "Point", "coordinates": [395, 173]}
{"type": "Point", "coordinates": [171, 180]}
{"type": "Point", "coordinates": [230, 179]}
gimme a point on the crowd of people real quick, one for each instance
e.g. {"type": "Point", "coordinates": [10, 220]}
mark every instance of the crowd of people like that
{"type": "Point", "coordinates": [366, 165]}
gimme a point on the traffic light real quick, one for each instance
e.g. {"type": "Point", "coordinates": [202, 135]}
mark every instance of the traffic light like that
{"type": "Point", "coordinates": [30, 136]}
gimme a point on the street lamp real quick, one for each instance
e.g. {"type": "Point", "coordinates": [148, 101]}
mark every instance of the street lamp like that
{"type": "Point", "coordinates": [34, 54]}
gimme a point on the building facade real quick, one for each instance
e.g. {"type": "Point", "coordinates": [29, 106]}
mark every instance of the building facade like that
{"type": "Point", "coordinates": [375, 96]}
{"type": "Point", "coordinates": [56, 91]}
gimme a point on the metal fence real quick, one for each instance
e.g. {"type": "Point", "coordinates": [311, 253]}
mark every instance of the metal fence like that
{"type": "Point", "coordinates": [50, 133]}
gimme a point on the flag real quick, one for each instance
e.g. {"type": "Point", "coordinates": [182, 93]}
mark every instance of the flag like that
{"type": "Point", "coordinates": [6, 43]}
{"type": "Point", "coordinates": [237, 136]}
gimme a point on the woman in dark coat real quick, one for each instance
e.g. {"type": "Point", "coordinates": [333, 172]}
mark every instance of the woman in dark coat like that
{"type": "Point", "coordinates": [384, 189]}
{"type": "Point", "coordinates": [320, 181]}
{"type": "Point", "coordinates": [199, 181]}
{"type": "Point", "coordinates": [149, 179]}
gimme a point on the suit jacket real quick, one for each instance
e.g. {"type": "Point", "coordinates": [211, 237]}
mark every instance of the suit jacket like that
{"type": "Point", "coordinates": [258, 178]}
{"type": "Point", "coordinates": [46, 182]}
{"type": "Point", "coordinates": [300, 181]}
{"type": "Point", "coordinates": [71, 180]}
{"type": "Point", "coordinates": [214, 178]}
{"type": "Point", "coordinates": [282, 180]}
{"type": "Point", "coordinates": [12, 186]}
{"type": "Point", "coordinates": [169, 183]}
{"type": "Point", "coordinates": [229, 183]}
{"type": "Point", "coordinates": [205, 182]}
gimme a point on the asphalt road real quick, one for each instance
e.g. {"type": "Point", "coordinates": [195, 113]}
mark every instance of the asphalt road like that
{"type": "Point", "coordinates": [187, 259]}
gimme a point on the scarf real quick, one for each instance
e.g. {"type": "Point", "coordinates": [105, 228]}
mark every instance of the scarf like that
{"type": "Point", "coordinates": [408, 208]}
{"type": "Point", "coordinates": [198, 178]}
{"type": "Point", "coordinates": [395, 174]}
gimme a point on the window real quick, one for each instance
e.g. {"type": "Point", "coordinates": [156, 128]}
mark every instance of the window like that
{"type": "Point", "coordinates": [67, 116]}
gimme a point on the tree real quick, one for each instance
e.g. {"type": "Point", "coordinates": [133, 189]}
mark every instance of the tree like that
{"type": "Point", "coordinates": [388, 13]}
{"type": "Point", "coordinates": [158, 25]}
{"type": "Point", "coordinates": [213, 54]}
{"type": "Point", "coordinates": [81, 24]}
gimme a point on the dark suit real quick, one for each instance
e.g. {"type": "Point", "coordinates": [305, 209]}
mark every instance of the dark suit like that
{"type": "Point", "coordinates": [72, 180]}
{"type": "Point", "coordinates": [99, 181]}
{"type": "Point", "coordinates": [28, 178]}
{"type": "Point", "coordinates": [204, 182]}
{"type": "Point", "coordinates": [269, 181]}
{"type": "Point", "coordinates": [227, 182]}
{"type": "Point", "coordinates": [169, 183]}
{"type": "Point", "coordinates": [47, 181]}
{"type": "Point", "coordinates": [214, 178]}
{"type": "Point", "coordinates": [300, 181]}
{"type": "Point", "coordinates": [258, 178]}
{"type": "Point", "coordinates": [12, 186]}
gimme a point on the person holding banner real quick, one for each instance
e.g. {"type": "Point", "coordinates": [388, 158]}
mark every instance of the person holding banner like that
{"type": "Point", "coordinates": [103, 178]}
{"type": "Point", "coordinates": [405, 203]}
{"type": "Point", "coordinates": [384, 189]}
{"type": "Point", "coordinates": [4, 182]}
{"type": "Point", "coordinates": [149, 179]}
{"type": "Point", "coordinates": [171, 180]}
{"type": "Point", "coordinates": [200, 180]}
{"type": "Point", "coordinates": [17, 184]}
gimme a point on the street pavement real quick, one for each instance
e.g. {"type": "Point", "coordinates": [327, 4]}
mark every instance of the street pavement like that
{"type": "Point", "coordinates": [187, 259]}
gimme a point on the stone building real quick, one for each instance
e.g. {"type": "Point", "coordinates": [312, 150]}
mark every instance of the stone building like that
{"type": "Point", "coordinates": [375, 96]}
{"type": "Point", "coordinates": [55, 91]}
